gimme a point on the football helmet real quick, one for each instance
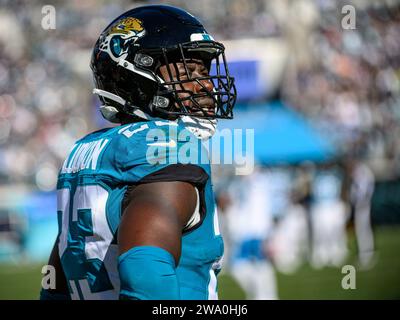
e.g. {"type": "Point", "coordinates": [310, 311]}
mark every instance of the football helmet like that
{"type": "Point", "coordinates": [129, 52]}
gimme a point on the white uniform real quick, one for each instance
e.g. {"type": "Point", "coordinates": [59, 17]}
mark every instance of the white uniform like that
{"type": "Point", "coordinates": [329, 216]}
{"type": "Point", "coordinates": [361, 193]}
{"type": "Point", "coordinates": [250, 223]}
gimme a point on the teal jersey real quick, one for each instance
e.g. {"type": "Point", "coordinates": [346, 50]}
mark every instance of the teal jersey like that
{"type": "Point", "coordinates": [92, 184]}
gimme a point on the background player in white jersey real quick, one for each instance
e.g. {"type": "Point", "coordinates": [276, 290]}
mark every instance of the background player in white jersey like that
{"type": "Point", "coordinates": [137, 216]}
{"type": "Point", "coordinates": [329, 216]}
{"type": "Point", "coordinates": [250, 225]}
{"type": "Point", "coordinates": [361, 191]}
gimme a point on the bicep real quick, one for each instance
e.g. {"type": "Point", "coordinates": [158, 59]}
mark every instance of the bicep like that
{"type": "Point", "coordinates": [155, 216]}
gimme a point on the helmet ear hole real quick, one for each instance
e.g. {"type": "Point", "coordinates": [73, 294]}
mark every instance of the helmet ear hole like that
{"type": "Point", "coordinates": [109, 113]}
{"type": "Point", "coordinates": [143, 60]}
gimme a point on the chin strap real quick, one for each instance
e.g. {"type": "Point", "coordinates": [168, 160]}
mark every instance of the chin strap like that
{"type": "Point", "coordinates": [203, 129]}
{"type": "Point", "coordinates": [110, 112]}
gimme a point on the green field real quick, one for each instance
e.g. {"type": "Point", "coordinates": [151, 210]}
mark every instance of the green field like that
{"type": "Point", "coordinates": [380, 282]}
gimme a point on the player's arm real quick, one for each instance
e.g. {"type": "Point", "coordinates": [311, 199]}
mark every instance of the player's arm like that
{"type": "Point", "coordinates": [149, 239]}
{"type": "Point", "coordinates": [60, 292]}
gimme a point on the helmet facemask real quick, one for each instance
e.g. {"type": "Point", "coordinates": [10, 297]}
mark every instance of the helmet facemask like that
{"type": "Point", "coordinates": [173, 97]}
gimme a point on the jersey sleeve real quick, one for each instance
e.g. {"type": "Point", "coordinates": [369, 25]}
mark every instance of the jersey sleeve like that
{"type": "Point", "coordinates": [161, 152]}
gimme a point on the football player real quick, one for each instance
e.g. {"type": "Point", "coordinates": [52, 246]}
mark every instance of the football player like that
{"type": "Point", "coordinates": [136, 211]}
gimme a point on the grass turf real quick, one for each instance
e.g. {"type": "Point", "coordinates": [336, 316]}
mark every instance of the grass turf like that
{"type": "Point", "coordinates": [380, 282]}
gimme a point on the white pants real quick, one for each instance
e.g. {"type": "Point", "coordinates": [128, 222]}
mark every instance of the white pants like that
{"type": "Point", "coordinates": [364, 234]}
{"type": "Point", "coordinates": [257, 279]}
{"type": "Point", "coordinates": [329, 234]}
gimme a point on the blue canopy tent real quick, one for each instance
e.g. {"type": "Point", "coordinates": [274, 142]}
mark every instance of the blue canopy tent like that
{"type": "Point", "coordinates": [281, 135]}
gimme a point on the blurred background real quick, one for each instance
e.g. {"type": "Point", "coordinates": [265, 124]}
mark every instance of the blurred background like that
{"type": "Point", "coordinates": [324, 103]}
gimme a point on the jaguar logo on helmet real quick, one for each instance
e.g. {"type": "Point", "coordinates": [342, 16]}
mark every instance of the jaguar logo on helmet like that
{"type": "Point", "coordinates": [117, 38]}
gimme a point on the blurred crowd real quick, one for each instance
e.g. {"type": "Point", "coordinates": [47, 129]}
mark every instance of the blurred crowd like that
{"type": "Point", "coordinates": [346, 81]}
{"type": "Point", "coordinates": [45, 86]}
